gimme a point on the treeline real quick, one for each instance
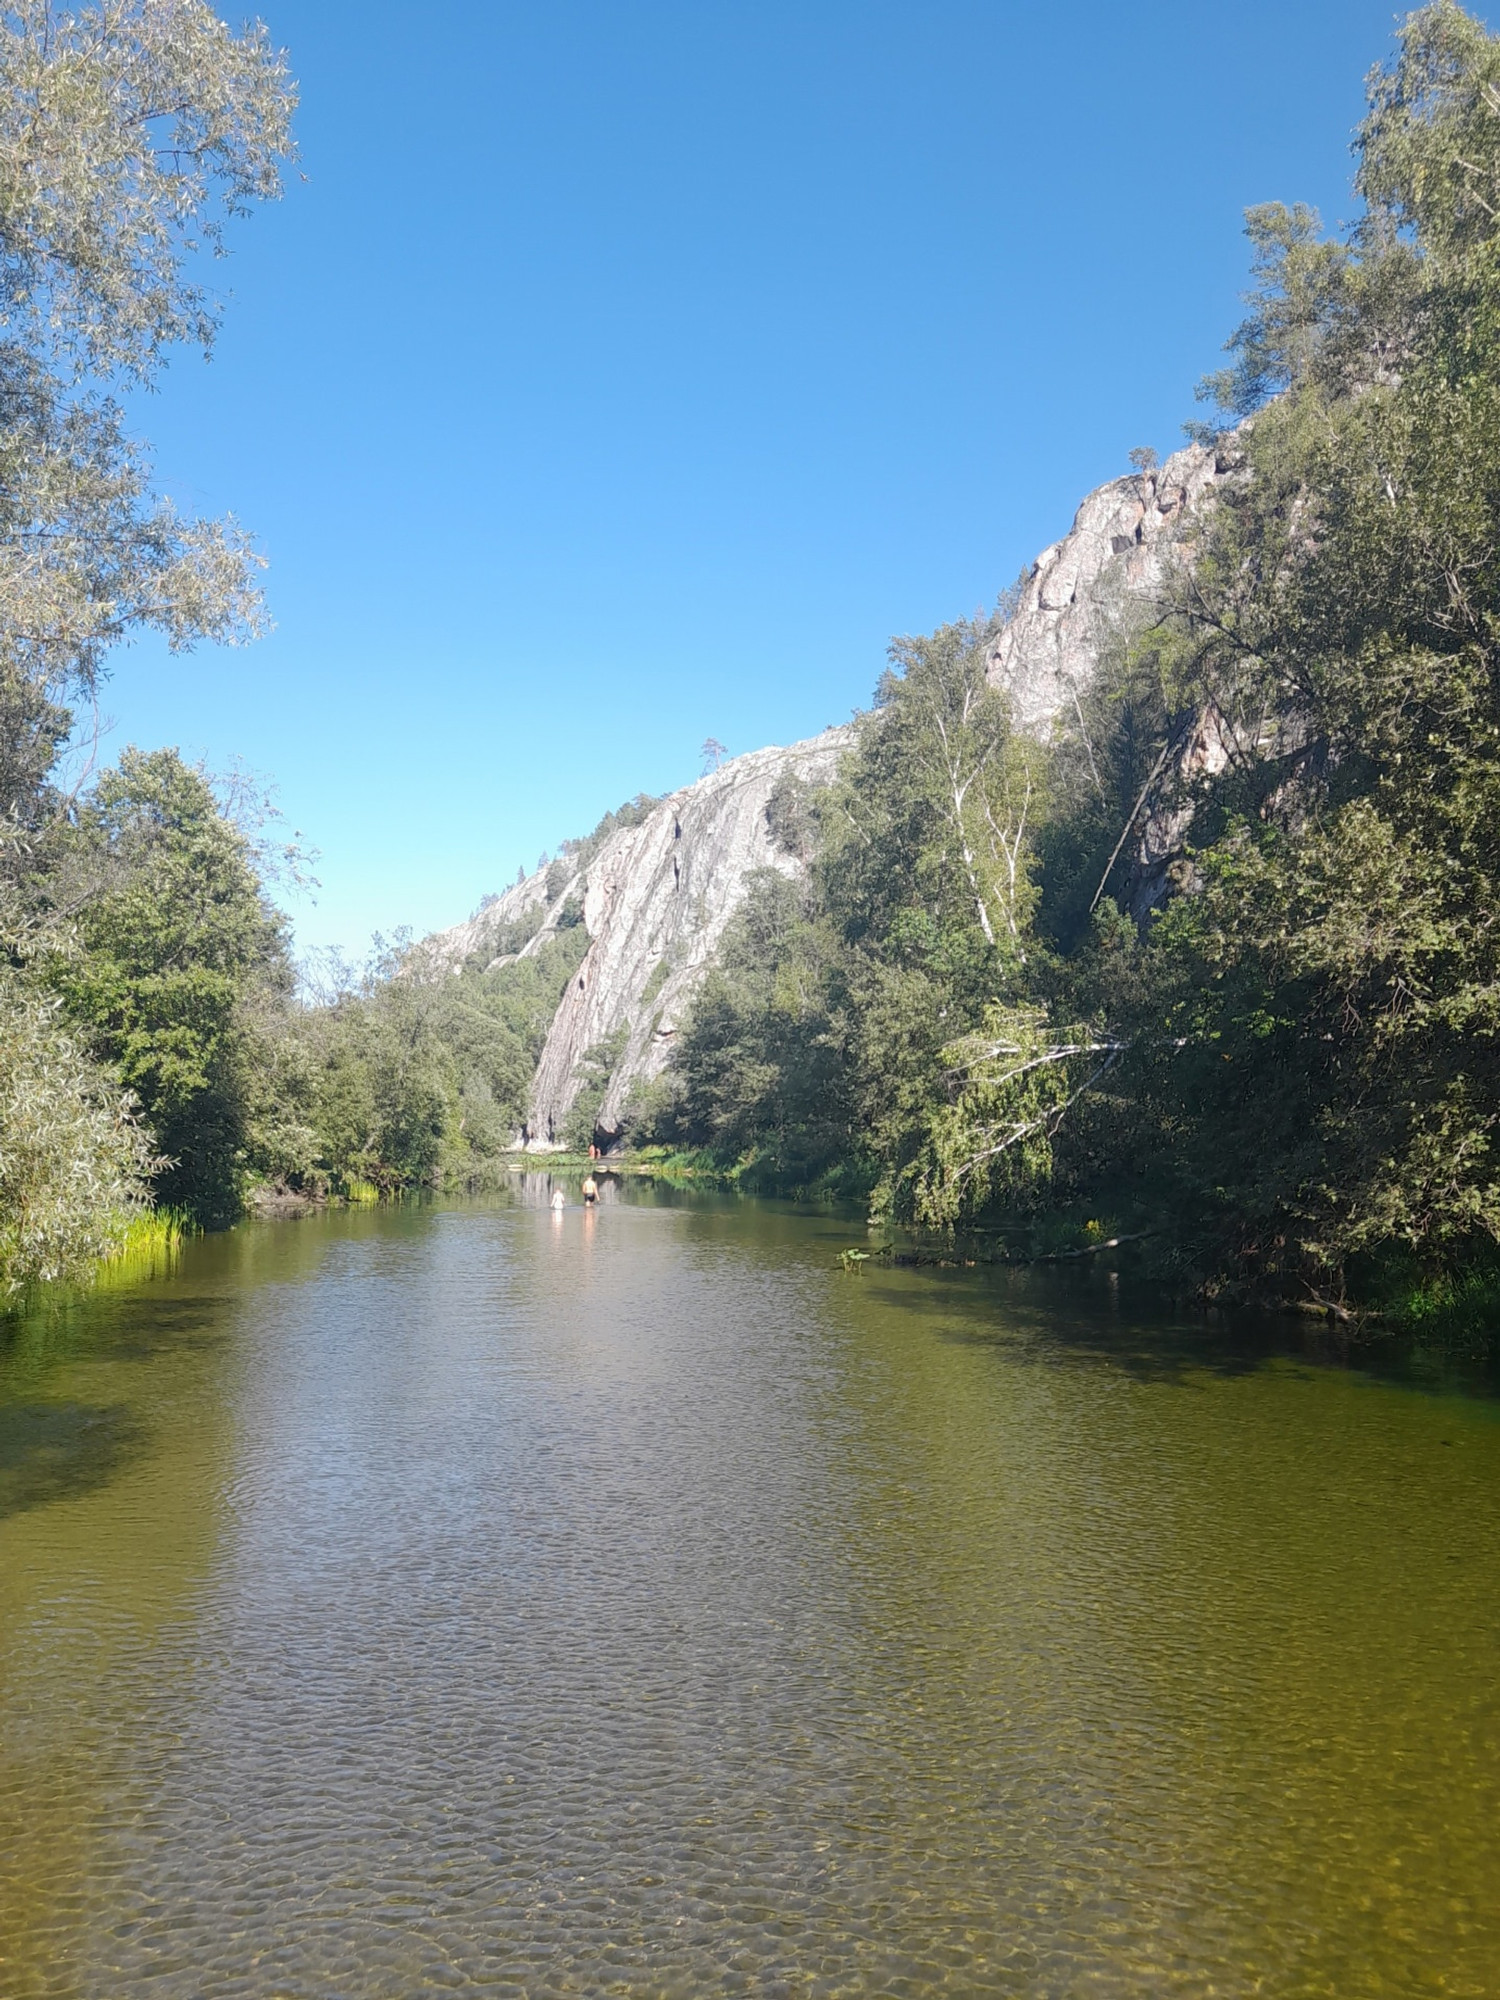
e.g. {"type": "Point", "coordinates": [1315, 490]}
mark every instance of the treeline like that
{"type": "Point", "coordinates": [155, 1047]}
{"type": "Point", "coordinates": [1284, 1079]}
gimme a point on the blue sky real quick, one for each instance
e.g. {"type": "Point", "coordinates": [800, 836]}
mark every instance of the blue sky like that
{"type": "Point", "coordinates": [621, 375]}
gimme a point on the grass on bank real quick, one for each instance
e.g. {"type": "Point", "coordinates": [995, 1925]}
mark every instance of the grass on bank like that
{"type": "Point", "coordinates": [149, 1246]}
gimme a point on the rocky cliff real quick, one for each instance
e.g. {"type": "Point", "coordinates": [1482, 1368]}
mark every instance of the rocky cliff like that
{"type": "Point", "coordinates": [1084, 590]}
{"type": "Point", "coordinates": [1085, 594]}
{"type": "Point", "coordinates": [655, 897]}
{"type": "Point", "coordinates": [479, 937]}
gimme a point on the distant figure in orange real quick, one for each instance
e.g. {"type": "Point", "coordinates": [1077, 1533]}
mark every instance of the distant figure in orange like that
{"type": "Point", "coordinates": [590, 1190]}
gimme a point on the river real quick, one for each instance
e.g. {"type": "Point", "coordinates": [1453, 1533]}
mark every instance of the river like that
{"type": "Point", "coordinates": [467, 1599]}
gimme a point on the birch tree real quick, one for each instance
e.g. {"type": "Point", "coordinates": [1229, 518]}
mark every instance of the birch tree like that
{"type": "Point", "coordinates": [972, 779]}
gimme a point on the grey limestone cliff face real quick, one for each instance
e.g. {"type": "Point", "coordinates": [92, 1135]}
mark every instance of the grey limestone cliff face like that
{"type": "Point", "coordinates": [1083, 595]}
{"type": "Point", "coordinates": [656, 899]}
{"type": "Point", "coordinates": [1082, 591]}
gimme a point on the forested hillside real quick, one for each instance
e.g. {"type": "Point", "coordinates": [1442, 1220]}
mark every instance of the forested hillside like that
{"type": "Point", "coordinates": [1284, 1079]}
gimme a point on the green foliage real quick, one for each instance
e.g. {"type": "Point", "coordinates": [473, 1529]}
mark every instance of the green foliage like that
{"type": "Point", "coordinates": [413, 1076]}
{"type": "Point", "coordinates": [793, 818]}
{"type": "Point", "coordinates": [509, 939]}
{"type": "Point", "coordinates": [148, 1247]}
{"type": "Point", "coordinates": [1012, 1083]}
{"type": "Point", "coordinates": [1329, 989]}
{"type": "Point", "coordinates": [128, 133]}
{"type": "Point", "coordinates": [176, 938]}
{"type": "Point", "coordinates": [595, 1068]}
{"type": "Point", "coordinates": [816, 1049]}
{"type": "Point", "coordinates": [73, 1158]}
{"type": "Point", "coordinates": [932, 815]}
{"type": "Point", "coordinates": [758, 1073]}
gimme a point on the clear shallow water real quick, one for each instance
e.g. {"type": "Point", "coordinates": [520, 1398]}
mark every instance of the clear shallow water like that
{"type": "Point", "coordinates": [466, 1601]}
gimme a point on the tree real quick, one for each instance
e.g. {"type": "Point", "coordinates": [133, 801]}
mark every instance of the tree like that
{"type": "Point", "coordinates": [816, 1050]}
{"type": "Point", "coordinates": [129, 132]}
{"type": "Point", "coordinates": [412, 1075]}
{"type": "Point", "coordinates": [176, 940]}
{"type": "Point", "coordinates": [760, 1074]}
{"type": "Point", "coordinates": [1317, 1042]}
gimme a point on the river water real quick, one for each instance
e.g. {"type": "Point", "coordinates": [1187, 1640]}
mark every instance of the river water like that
{"type": "Point", "coordinates": [473, 1600]}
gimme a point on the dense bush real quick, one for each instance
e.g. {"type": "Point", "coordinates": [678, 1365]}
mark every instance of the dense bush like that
{"type": "Point", "coordinates": [73, 1159]}
{"type": "Point", "coordinates": [418, 1075]}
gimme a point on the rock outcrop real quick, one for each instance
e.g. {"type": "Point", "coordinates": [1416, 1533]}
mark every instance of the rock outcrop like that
{"type": "Point", "coordinates": [1084, 590]}
{"type": "Point", "coordinates": [1083, 595]}
{"type": "Point", "coordinates": [656, 898]}
{"type": "Point", "coordinates": [478, 936]}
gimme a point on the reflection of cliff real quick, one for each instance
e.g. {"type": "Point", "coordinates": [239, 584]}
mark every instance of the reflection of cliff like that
{"type": "Point", "coordinates": [535, 1190]}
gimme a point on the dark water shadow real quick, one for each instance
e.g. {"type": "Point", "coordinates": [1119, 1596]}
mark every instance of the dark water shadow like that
{"type": "Point", "coordinates": [1051, 1319]}
{"type": "Point", "coordinates": [59, 1451]}
{"type": "Point", "coordinates": [127, 1326]}
{"type": "Point", "coordinates": [140, 1328]}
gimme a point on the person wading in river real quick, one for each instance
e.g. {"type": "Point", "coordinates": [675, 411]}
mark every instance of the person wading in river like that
{"type": "Point", "coordinates": [590, 1189]}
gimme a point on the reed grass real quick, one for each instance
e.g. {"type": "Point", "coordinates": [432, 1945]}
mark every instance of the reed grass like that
{"type": "Point", "coordinates": [149, 1247]}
